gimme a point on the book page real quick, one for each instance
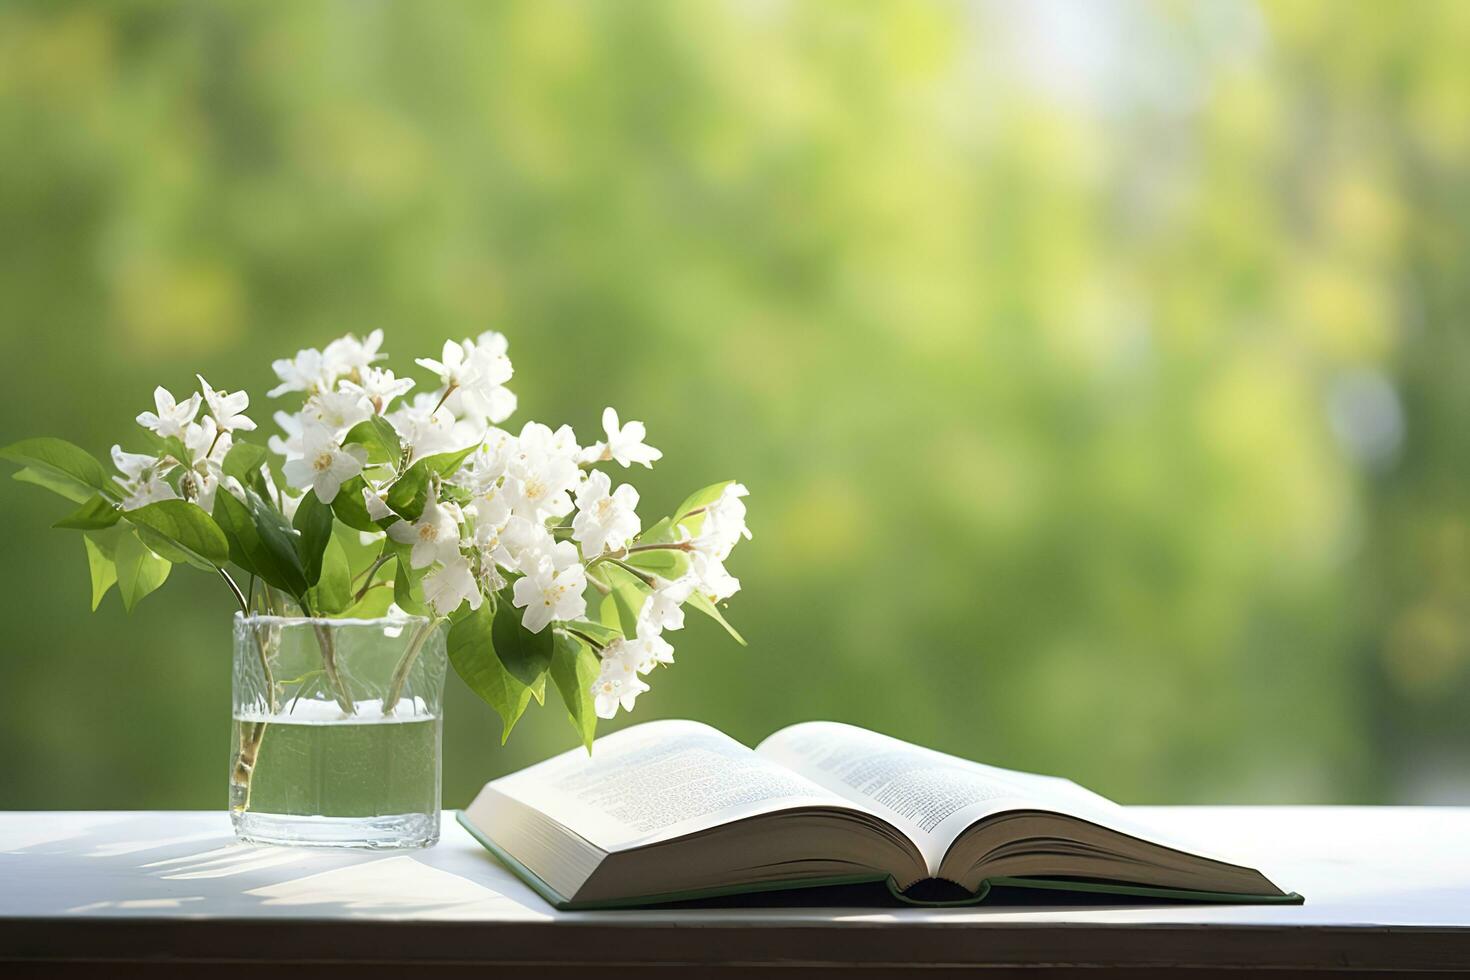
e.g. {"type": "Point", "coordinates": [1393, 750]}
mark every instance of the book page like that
{"type": "Point", "coordinates": [657, 781]}
{"type": "Point", "coordinates": [930, 796]}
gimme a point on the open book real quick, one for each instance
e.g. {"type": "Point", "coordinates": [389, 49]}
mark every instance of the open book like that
{"type": "Point", "coordinates": [673, 810]}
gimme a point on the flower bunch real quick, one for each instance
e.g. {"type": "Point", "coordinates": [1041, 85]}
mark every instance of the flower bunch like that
{"type": "Point", "coordinates": [379, 496]}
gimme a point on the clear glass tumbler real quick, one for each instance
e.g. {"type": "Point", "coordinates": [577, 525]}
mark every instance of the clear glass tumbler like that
{"type": "Point", "coordinates": [337, 730]}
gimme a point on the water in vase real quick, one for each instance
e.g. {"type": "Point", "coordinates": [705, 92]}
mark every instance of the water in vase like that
{"type": "Point", "coordinates": [324, 777]}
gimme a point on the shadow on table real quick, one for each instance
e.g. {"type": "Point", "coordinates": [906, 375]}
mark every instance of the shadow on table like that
{"type": "Point", "coordinates": [127, 864]}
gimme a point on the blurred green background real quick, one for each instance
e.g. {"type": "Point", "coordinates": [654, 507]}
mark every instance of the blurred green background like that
{"type": "Point", "coordinates": [1098, 370]}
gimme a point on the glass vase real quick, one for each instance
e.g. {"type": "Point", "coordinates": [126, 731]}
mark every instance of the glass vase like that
{"type": "Point", "coordinates": [337, 730]}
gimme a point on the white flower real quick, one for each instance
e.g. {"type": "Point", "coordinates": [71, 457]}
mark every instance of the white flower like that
{"type": "Point", "coordinates": [618, 683]}
{"type": "Point", "coordinates": [724, 523]}
{"type": "Point", "coordinates": [304, 372]}
{"type": "Point", "coordinates": [349, 356]}
{"type": "Point", "coordinates": [377, 507]}
{"type": "Point", "coordinates": [148, 490]}
{"type": "Point", "coordinates": [291, 425]}
{"type": "Point", "coordinates": [536, 486]}
{"type": "Point", "coordinates": [525, 544]}
{"type": "Point", "coordinates": [379, 386]}
{"type": "Point", "coordinates": [473, 375]}
{"type": "Point", "coordinates": [324, 464]}
{"type": "Point", "coordinates": [423, 426]}
{"type": "Point", "coordinates": [605, 521]}
{"type": "Point", "coordinates": [142, 480]}
{"type": "Point", "coordinates": [434, 536]}
{"type": "Point", "coordinates": [493, 342]}
{"type": "Point", "coordinates": [131, 465]}
{"type": "Point", "coordinates": [337, 410]}
{"type": "Point", "coordinates": [664, 607]}
{"type": "Point", "coordinates": [451, 584]}
{"type": "Point", "coordinates": [206, 445]}
{"type": "Point", "coordinates": [648, 651]}
{"type": "Point", "coordinates": [624, 443]}
{"type": "Point", "coordinates": [226, 407]}
{"type": "Point", "coordinates": [490, 510]}
{"type": "Point", "coordinates": [549, 593]}
{"type": "Point", "coordinates": [483, 469]}
{"type": "Point", "coordinates": [454, 366]}
{"type": "Point", "coordinates": [716, 583]}
{"type": "Point", "coordinates": [207, 448]}
{"type": "Point", "coordinates": [172, 416]}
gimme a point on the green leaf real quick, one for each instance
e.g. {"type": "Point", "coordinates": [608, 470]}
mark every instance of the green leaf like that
{"type": "Point", "coordinates": [620, 608]}
{"type": "Point", "coordinates": [181, 532]}
{"type": "Point", "coordinates": [100, 564]}
{"type": "Point", "coordinates": [701, 602]}
{"type": "Point", "coordinates": [61, 467]}
{"type": "Point", "coordinates": [94, 515]}
{"type": "Point", "coordinates": [700, 498]}
{"type": "Point", "coordinates": [244, 461]}
{"type": "Point", "coordinates": [57, 483]}
{"type": "Point", "coordinates": [350, 508]}
{"type": "Point", "coordinates": [410, 491]}
{"type": "Point", "coordinates": [377, 435]}
{"type": "Point", "coordinates": [139, 571]}
{"type": "Point", "coordinates": [314, 522]}
{"type": "Point", "coordinates": [246, 548]}
{"type": "Point", "coordinates": [406, 589]}
{"type": "Point", "coordinates": [664, 532]}
{"type": "Point", "coordinates": [277, 547]}
{"type": "Point", "coordinates": [373, 604]}
{"type": "Point", "coordinates": [525, 654]}
{"type": "Point", "coordinates": [601, 632]}
{"type": "Point", "coordinates": [669, 563]}
{"type": "Point", "coordinates": [574, 667]}
{"type": "Point", "coordinates": [472, 652]}
{"type": "Point", "coordinates": [333, 591]}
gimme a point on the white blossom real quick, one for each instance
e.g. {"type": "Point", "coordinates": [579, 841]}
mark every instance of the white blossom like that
{"type": "Point", "coordinates": [624, 443]}
{"type": "Point", "coordinates": [349, 356]}
{"type": "Point", "coordinates": [473, 376]}
{"type": "Point", "coordinates": [526, 544]}
{"type": "Point", "coordinates": [553, 589]}
{"type": "Point", "coordinates": [227, 407]}
{"type": "Point", "coordinates": [142, 479]}
{"type": "Point", "coordinates": [291, 425]}
{"type": "Point", "coordinates": [424, 425]}
{"type": "Point", "coordinates": [434, 536]}
{"type": "Point", "coordinates": [664, 607]}
{"type": "Point", "coordinates": [207, 448]}
{"type": "Point", "coordinates": [304, 372]}
{"type": "Point", "coordinates": [724, 523]}
{"type": "Point", "coordinates": [378, 386]}
{"type": "Point", "coordinates": [450, 584]}
{"type": "Point", "coordinates": [454, 366]}
{"type": "Point", "coordinates": [337, 411]}
{"type": "Point", "coordinates": [618, 683]}
{"type": "Point", "coordinates": [605, 520]}
{"type": "Point", "coordinates": [536, 485]}
{"type": "Point", "coordinates": [324, 464]}
{"type": "Point", "coordinates": [537, 441]}
{"type": "Point", "coordinates": [648, 650]}
{"type": "Point", "coordinates": [713, 580]}
{"type": "Point", "coordinates": [481, 471]}
{"type": "Point", "coordinates": [172, 415]}
{"type": "Point", "coordinates": [377, 507]}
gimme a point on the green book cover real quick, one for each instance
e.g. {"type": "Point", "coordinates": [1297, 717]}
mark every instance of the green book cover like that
{"type": "Point", "coordinates": [1078, 887]}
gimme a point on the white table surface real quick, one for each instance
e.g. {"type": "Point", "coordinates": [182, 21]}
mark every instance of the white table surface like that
{"type": "Point", "coordinates": [1384, 887]}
